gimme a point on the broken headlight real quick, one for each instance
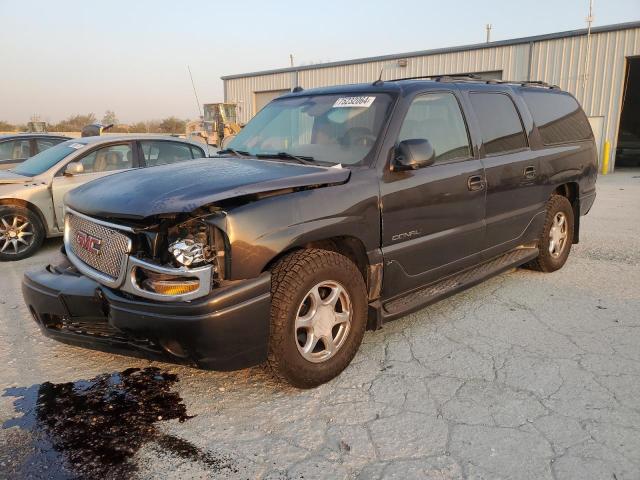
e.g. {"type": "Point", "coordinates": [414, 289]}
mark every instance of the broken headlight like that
{"type": "Point", "coordinates": [187, 252]}
{"type": "Point", "coordinates": [195, 243]}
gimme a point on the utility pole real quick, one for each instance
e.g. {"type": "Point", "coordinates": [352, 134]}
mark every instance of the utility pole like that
{"type": "Point", "coordinates": [489, 27]}
{"type": "Point", "coordinates": [587, 61]}
{"type": "Point", "coordinates": [291, 59]}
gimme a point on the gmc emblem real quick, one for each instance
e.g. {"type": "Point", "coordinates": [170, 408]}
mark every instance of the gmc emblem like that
{"type": "Point", "coordinates": [88, 243]}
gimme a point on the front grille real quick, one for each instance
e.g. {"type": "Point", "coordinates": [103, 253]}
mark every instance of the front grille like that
{"type": "Point", "coordinates": [107, 249]}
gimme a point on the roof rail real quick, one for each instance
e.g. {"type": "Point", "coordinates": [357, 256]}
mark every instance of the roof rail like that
{"type": "Point", "coordinates": [526, 83]}
{"type": "Point", "coordinates": [437, 78]}
{"type": "Point", "coordinates": [470, 77]}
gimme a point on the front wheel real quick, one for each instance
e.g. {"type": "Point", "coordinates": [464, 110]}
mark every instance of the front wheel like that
{"type": "Point", "coordinates": [21, 232]}
{"type": "Point", "coordinates": [318, 316]}
{"type": "Point", "coordinates": [557, 235]}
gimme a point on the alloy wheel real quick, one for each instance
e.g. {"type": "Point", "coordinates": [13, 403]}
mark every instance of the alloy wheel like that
{"type": "Point", "coordinates": [323, 321]}
{"type": "Point", "coordinates": [16, 234]}
{"type": "Point", "coordinates": [558, 235]}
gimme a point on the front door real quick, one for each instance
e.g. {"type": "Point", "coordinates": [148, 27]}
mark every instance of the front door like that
{"type": "Point", "coordinates": [433, 217]}
{"type": "Point", "coordinates": [97, 163]}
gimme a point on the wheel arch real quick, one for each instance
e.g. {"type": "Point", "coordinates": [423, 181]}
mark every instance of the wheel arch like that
{"type": "Point", "coordinates": [28, 205]}
{"type": "Point", "coordinates": [350, 247]}
{"type": "Point", "coordinates": [571, 190]}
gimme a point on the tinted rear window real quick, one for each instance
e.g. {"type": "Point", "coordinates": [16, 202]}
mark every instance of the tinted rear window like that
{"type": "Point", "coordinates": [500, 123]}
{"type": "Point", "coordinates": [558, 116]}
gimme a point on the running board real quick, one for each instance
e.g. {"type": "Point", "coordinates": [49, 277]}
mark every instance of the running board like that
{"type": "Point", "coordinates": [468, 278]}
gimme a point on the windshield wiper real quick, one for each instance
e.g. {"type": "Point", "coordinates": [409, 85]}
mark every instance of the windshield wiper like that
{"type": "Point", "coordinates": [237, 153]}
{"type": "Point", "coordinates": [306, 160]}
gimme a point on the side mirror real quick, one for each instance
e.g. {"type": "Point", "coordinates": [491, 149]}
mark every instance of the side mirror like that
{"type": "Point", "coordinates": [413, 154]}
{"type": "Point", "coordinates": [74, 168]}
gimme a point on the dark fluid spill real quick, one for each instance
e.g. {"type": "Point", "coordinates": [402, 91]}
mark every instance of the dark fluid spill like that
{"type": "Point", "coordinates": [92, 428]}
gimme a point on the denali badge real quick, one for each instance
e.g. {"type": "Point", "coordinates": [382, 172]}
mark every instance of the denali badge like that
{"type": "Point", "coordinates": [88, 243]}
{"type": "Point", "coordinates": [405, 235]}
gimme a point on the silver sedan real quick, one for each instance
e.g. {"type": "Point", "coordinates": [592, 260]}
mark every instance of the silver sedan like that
{"type": "Point", "coordinates": [31, 194]}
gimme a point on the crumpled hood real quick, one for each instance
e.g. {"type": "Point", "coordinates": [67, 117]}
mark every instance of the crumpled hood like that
{"type": "Point", "coordinates": [9, 177]}
{"type": "Point", "coordinates": [183, 187]}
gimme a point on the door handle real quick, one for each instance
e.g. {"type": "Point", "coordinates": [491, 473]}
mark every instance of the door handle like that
{"type": "Point", "coordinates": [475, 182]}
{"type": "Point", "coordinates": [530, 172]}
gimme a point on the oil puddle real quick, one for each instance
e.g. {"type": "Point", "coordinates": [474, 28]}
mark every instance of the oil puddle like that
{"type": "Point", "coordinates": [93, 428]}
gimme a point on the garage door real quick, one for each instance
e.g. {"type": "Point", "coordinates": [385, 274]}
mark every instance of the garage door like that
{"type": "Point", "coordinates": [260, 99]}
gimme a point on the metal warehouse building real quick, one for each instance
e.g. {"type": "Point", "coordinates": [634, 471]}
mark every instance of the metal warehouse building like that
{"type": "Point", "coordinates": [601, 68]}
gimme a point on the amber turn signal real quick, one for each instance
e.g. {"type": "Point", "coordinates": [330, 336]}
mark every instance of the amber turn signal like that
{"type": "Point", "coordinates": [171, 287]}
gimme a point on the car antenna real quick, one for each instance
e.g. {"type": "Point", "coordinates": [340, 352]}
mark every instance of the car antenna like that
{"type": "Point", "coordinates": [379, 80]}
{"type": "Point", "coordinates": [194, 91]}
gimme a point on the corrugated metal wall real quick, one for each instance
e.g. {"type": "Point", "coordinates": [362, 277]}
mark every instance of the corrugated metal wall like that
{"type": "Point", "coordinates": [563, 62]}
{"type": "Point", "coordinates": [511, 60]}
{"type": "Point", "coordinates": [241, 91]}
{"type": "Point", "coordinates": [557, 61]}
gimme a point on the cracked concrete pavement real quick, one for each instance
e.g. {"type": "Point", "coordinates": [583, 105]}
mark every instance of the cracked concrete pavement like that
{"type": "Point", "coordinates": [525, 376]}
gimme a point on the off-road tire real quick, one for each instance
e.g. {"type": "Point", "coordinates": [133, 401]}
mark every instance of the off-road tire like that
{"type": "Point", "coordinates": [37, 228]}
{"type": "Point", "coordinates": [291, 278]}
{"type": "Point", "coordinates": [545, 262]}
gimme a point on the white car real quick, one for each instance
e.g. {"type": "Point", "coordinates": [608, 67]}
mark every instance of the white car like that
{"type": "Point", "coordinates": [31, 194]}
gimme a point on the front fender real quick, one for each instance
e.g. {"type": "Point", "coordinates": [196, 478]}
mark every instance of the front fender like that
{"type": "Point", "coordinates": [36, 194]}
{"type": "Point", "coordinates": [259, 231]}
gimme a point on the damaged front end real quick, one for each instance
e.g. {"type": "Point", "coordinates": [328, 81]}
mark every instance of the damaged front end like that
{"type": "Point", "coordinates": [168, 259]}
{"type": "Point", "coordinates": [156, 287]}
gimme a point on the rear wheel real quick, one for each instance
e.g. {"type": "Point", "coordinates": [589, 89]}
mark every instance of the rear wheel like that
{"type": "Point", "coordinates": [318, 316]}
{"type": "Point", "coordinates": [21, 232]}
{"type": "Point", "coordinates": [557, 236]}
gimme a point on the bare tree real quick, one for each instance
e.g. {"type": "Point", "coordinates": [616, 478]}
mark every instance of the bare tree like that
{"type": "Point", "coordinates": [138, 127]}
{"type": "Point", "coordinates": [110, 118]}
{"type": "Point", "coordinates": [6, 126]}
{"type": "Point", "coordinates": [172, 125]}
{"type": "Point", "coordinates": [74, 123]}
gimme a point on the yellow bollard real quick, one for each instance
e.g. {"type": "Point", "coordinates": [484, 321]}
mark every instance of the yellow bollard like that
{"type": "Point", "coordinates": [605, 157]}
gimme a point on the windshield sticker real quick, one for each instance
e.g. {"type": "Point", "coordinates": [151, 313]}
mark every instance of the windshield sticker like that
{"type": "Point", "coordinates": [77, 145]}
{"type": "Point", "coordinates": [363, 102]}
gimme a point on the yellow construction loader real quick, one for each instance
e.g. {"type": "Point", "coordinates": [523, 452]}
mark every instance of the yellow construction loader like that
{"type": "Point", "coordinates": [218, 126]}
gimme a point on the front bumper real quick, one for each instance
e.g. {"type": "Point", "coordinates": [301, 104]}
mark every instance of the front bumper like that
{"type": "Point", "coordinates": [226, 330]}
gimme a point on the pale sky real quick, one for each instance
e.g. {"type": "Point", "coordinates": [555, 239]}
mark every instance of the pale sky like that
{"type": "Point", "coordinates": [59, 58]}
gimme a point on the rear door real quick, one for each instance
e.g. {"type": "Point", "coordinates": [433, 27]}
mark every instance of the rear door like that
{"type": "Point", "coordinates": [99, 162]}
{"type": "Point", "coordinates": [433, 217]}
{"type": "Point", "coordinates": [511, 169]}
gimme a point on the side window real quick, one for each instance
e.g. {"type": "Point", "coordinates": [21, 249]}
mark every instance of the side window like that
{"type": "Point", "coordinates": [558, 116]}
{"type": "Point", "coordinates": [15, 150]}
{"type": "Point", "coordinates": [43, 143]}
{"type": "Point", "coordinates": [197, 152]}
{"type": "Point", "coordinates": [437, 118]}
{"type": "Point", "coordinates": [500, 124]}
{"type": "Point", "coordinates": [163, 152]}
{"type": "Point", "coordinates": [106, 159]}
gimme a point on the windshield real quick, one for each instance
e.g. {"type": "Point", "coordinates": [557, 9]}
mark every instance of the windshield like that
{"type": "Point", "coordinates": [45, 160]}
{"type": "Point", "coordinates": [326, 128]}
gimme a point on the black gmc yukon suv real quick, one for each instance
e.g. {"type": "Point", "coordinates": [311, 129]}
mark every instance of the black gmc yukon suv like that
{"type": "Point", "coordinates": [333, 211]}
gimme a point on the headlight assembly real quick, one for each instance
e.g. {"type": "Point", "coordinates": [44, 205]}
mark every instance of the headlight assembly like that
{"type": "Point", "coordinates": [196, 243]}
{"type": "Point", "coordinates": [187, 252]}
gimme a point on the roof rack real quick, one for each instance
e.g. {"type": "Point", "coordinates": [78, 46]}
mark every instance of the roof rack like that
{"type": "Point", "coordinates": [525, 83]}
{"type": "Point", "coordinates": [474, 78]}
{"type": "Point", "coordinates": [437, 78]}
